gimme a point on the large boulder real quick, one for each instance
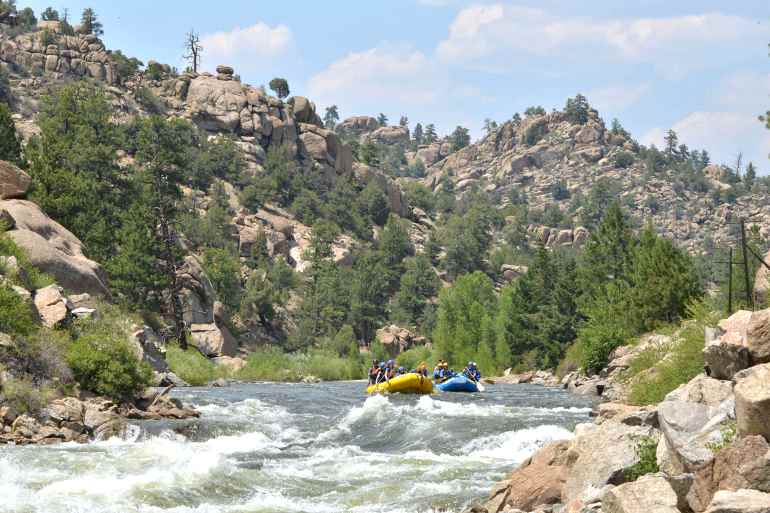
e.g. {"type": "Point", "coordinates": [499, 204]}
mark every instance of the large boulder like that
{"type": "Point", "coordinates": [396, 339]}
{"type": "Point", "coordinates": [357, 126]}
{"type": "Point", "coordinates": [390, 135]}
{"type": "Point", "coordinates": [745, 464]}
{"type": "Point", "coordinates": [741, 501]}
{"type": "Point", "coordinates": [304, 110]}
{"type": "Point", "coordinates": [538, 481]}
{"type": "Point", "coordinates": [212, 340]}
{"type": "Point", "coordinates": [53, 249]}
{"type": "Point", "coordinates": [197, 292]}
{"type": "Point", "coordinates": [51, 305]}
{"type": "Point", "coordinates": [396, 200]}
{"type": "Point", "coordinates": [724, 358]}
{"type": "Point", "coordinates": [758, 336]}
{"type": "Point", "coordinates": [649, 494]}
{"type": "Point", "coordinates": [691, 419]}
{"type": "Point", "coordinates": [216, 104]}
{"type": "Point", "coordinates": [600, 454]}
{"type": "Point", "coordinates": [13, 181]}
{"type": "Point", "coordinates": [752, 401]}
{"type": "Point", "coordinates": [762, 283]}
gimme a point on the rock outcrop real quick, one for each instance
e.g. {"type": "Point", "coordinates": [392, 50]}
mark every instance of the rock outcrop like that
{"type": "Point", "coordinates": [53, 249]}
{"type": "Point", "coordinates": [649, 494]}
{"type": "Point", "coordinates": [52, 53]}
{"type": "Point", "coordinates": [14, 182]}
{"type": "Point", "coordinates": [752, 401]}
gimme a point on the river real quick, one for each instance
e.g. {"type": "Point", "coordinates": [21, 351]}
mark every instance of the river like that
{"type": "Point", "coordinates": [297, 448]}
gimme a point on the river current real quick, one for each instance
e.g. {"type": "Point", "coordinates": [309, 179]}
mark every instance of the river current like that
{"type": "Point", "coordinates": [297, 448]}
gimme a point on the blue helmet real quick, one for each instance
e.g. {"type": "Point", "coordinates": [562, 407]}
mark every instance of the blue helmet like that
{"type": "Point", "coordinates": [382, 364]}
{"type": "Point", "coordinates": [401, 369]}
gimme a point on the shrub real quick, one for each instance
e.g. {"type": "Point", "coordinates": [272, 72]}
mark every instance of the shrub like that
{"type": "Point", "coordinates": [646, 449]}
{"type": "Point", "coordinates": [149, 101]}
{"type": "Point", "coordinates": [193, 367]}
{"type": "Point", "coordinates": [272, 364]}
{"type": "Point", "coordinates": [728, 432]}
{"type": "Point", "coordinates": [413, 357]}
{"type": "Point", "coordinates": [16, 316]}
{"type": "Point", "coordinates": [623, 159]}
{"type": "Point", "coordinates": [684, 360]}
{"type": "Point", "coordinates": [23, 396]}
{"type": "Point", "coordinates": [29, 277]}
{"type": "Point", "coordinates": [40, 358]}
{"type": "Point", "coordinates": [103, 363]}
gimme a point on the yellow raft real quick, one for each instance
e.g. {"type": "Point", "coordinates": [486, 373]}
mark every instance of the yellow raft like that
{"type": "Point", "coordinates": [406, 384]}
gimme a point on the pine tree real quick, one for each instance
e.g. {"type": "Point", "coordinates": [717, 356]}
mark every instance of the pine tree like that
{"type": "Point", "coordinates": [368, 295]}
{"type": "Point", "coordinates": [382, 119]}
{"type": "Point", "coordinates": [460, 138]}
{"type": "Point", "coordinates": [331, 117]}
{"type": "Point", "coordinates": [750, 176]}
{"type": "Point", "coordinates": [90, 24]}
{"type": "Point", "coordinates": [577, 109]}
{"type": "Point", "coordinates": [403, 122]}
{"type": "Point", "coordinates": [417, 135]}
{"type": "Point", "coordinates": [672, 143]}
{"type": "Point", "coordinates": [10, 141]}
{"type": "Point", "coordinates": [193, 48]}
{"type": "Point", "coordinates": [280, 87]}
{"type": "Point", "coordinates": [430, 134]}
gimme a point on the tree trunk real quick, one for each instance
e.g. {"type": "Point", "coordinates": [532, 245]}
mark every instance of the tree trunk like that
{"type": "Point", "coordinates": [171, 271]}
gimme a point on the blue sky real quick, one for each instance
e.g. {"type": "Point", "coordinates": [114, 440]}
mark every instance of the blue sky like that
{"type": "Point", "coordinates": [701, 66]}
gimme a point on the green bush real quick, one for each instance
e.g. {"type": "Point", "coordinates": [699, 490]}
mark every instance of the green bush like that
{"type": "Point", "coordinates": [193, 367]}
{"type": "Point", "coordinates": [41, 357]}
{"type": "Point", "coordinates": [623, 159]}
{"type": "Point", "coordinates": [272, 364]}
{"type": "Point", "coordinates": [646, 449]}
{"type": "Point", "coordinates": [413, 357]}
{"type": "Point", "coordinates": [29, 277]}
{"type": "Point", "coordinates": [149, 101]}
{"type": "Point", "coordinates": [683, 361]}
{"type": "Point", "coordinates": [103, 363]}
{"type": "Point", "coordinates": [16, 317]}
{"type": "Point", "coordinates": [23, 396]}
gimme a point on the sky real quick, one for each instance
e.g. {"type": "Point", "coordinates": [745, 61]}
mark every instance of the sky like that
{"type": "Point", "coordinates": [700, 67]}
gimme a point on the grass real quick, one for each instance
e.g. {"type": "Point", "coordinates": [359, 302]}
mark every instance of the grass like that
{"type": "Point", "coordinates": [673, 366]}
{"type": "Point", "coordinates": [193, 367]}
{"type": "Point", "coordinates": [272, 364]}
{"type": "Point", "coordinates": [571, 361]}
{"type": "Point", "coordinates": [29, 276]}
{"type": "Point", "coordinates": [24, 397]}
{"type": "Point", "coordinates": [728, 433]}
{"type": "Point", "coordinates": [646, 449]}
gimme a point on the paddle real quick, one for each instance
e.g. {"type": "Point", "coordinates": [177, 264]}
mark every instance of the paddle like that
{"type": "Point", "coordinates": [478, 383]}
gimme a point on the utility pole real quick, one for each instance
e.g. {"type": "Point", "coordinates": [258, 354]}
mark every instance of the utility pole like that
{"type": "Point", "coordinates": [745, 252]}
{"type": "Point", "coordinates": [730, 283]}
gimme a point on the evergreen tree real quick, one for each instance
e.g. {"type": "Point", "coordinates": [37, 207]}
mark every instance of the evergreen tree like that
{"type": "Point", "coordinates": [490, 125]}
{"type": "Point", "coordinates": [417, 135]}
{"type": "Point", "coordinates": [750, 176]}
{"type": "Point", "coordinates": [418, 283]}
{"type": "Point", "coordinates": [73, 163]}
{"type": "Point", "coordinates": [331, 117]}
{"type": "Point", "coordinates": [403, 122]}
{"type": "Point", "coordinates": [461, 312]}
{"type": "Point", "coordinates": [90, 24]}
{"type": "Point", "coordinates": [382, 119]}
{"type": "Point", "coordinates": [516, 119]}
{"type": "Point", "coordinates": [534, 111]}
{"type": "Point", "coordinates": [161, 156]}
{"type": "Point", "coordinates": [280, 87]}
{"type": "Point", "coordinates": [672, 143]}
{"type": "Point", "coordinates": [10, 141]}
{"type": "Point", "coordinates": [608, 252]}
{"type": "Point", "coordinates": [577, 109]}
{"type": "Point", "coordinates": [50, 14]}
{"type": "Point", "coordinates": [368, 295]}
{"type": "Point", "coordinates": [460, 138]}
{"type": "Point", "coordinates": [430, 134]}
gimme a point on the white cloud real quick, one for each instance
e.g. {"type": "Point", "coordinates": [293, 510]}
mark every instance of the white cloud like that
{"type": "Point", "coordinates": [389, 75]}
{"type": "Point", "coordinates": [617, 98]}
{"type": "Point", "coordinates": [490, 36]}
{"type": "Point", "coordinates": [728, 124]}
{"type": "Point", "coordinates": [246, 48]}
{"type": "Point", "coordinates": [724, 134]}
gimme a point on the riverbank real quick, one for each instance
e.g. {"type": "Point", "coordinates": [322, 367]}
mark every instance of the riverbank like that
{"type": "Point", "coordinates": [71, 419]}
{"type": "Point", "coordinates": [702, 448]}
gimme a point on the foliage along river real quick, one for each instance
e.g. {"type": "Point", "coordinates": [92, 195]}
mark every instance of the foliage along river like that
{"type": "Point", "coordinates": [297, 448]}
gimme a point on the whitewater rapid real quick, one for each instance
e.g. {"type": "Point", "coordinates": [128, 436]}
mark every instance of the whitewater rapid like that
{"type": "Point", "coordinates": [297, 448]}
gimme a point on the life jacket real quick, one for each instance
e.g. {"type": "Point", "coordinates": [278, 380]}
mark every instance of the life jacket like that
{"type": "Point", "coordinates": [373, 373]}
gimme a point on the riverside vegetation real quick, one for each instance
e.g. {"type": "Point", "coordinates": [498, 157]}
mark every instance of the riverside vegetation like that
{"type": "Point", "coordinates": [278, 245]}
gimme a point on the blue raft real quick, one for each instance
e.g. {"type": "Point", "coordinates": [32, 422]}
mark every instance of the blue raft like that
{"type": "Point", "coordinates": [458, 383]}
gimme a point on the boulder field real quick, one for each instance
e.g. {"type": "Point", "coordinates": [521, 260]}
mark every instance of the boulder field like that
{"type": "Point", "coordinates": [711, 435]}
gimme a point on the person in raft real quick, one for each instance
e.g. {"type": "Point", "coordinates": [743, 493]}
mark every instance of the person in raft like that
{"type": "Point", "coordinates": [374, 372]}
{"type": "Point", "coordinates": [390, 371]}
{"type": "Point", "coordinates": [472, 372]}
{"type": "Point", "coordinates": [422, 369]}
